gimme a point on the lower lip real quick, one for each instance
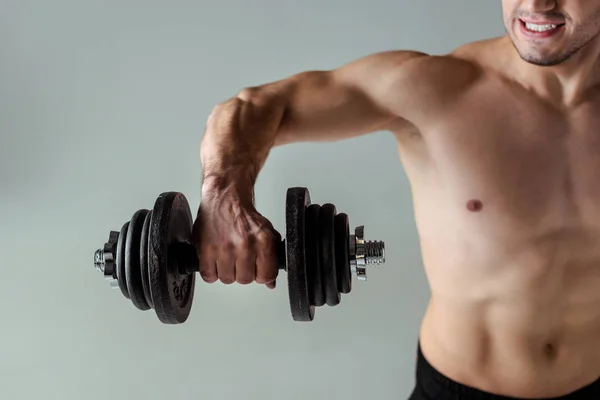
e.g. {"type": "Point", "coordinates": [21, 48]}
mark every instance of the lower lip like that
{"type": "Point", "coordinates": [540, 35]}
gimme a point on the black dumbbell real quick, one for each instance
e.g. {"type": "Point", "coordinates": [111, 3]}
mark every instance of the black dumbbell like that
{"type": "Point", "coordinates": [153, 260]}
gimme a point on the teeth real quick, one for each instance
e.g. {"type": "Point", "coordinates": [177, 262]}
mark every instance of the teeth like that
{"type": "Point", "coordinates": [539, 28]}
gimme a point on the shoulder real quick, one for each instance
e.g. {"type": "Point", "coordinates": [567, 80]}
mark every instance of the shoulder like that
{"type": "Point", "coordinates": [415, 84]}
{"type": "Point", "coordinates": [419, 86]}
{"type": "Point", "coordinates": [458, 68]}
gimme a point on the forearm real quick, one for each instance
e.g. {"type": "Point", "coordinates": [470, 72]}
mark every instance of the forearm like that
{"type": "Point", "coordinates": [239, 135]}
{"type": "Point", "coordinates": [312, 106]}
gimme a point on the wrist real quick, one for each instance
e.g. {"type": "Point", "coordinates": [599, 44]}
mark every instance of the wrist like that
{"type": "Point", "coordinates": [238, 184]}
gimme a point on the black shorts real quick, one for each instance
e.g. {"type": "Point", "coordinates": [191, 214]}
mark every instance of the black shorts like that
{"type": "Point", "coordinates": [432, 385]}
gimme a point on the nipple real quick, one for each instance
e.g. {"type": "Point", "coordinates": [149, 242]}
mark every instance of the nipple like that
{"type": "Point", "coordinates": [474, 205]}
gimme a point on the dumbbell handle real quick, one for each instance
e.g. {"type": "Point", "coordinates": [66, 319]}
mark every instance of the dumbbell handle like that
{"type": "Point", "coordinates": [361, 254]}
{"type": "Point", "coordinates": [187, 257]}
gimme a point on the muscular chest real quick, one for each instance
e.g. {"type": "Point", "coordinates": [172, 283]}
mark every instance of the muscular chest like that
{"type": "Point", "coordinates": [527, 166]}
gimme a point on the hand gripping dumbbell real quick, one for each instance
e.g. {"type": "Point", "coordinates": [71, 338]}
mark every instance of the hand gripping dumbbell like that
{"type": "Point", "coordinates": [153, 260]}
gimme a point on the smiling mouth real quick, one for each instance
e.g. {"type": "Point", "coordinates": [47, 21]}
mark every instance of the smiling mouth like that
{"type": "Point", "coordinates": [540, 29]}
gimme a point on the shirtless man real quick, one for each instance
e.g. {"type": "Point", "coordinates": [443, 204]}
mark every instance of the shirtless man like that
{"type": "Point", "coordinates": [501, 144]}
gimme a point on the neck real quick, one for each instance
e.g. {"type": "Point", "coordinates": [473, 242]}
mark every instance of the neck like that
{"type": "Point", "coordinates": [566, 84]}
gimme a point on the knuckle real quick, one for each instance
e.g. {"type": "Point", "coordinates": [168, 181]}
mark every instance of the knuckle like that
{"type": "Point", "coordinates": [228, 247]}
{"type": "Point", "coordinates": [246, 243]}
{"type": "Point", "coordinates": [265, 237]}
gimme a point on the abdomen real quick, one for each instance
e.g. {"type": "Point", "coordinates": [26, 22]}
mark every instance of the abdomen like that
{"type": "Point", "coordinates": [520, 318]}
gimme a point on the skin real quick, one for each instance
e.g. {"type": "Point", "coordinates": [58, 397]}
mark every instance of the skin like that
{"type": "Point", "coordinates": [500, 140]}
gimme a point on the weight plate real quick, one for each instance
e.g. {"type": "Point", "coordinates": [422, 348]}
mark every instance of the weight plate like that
{"type": "Point", "coordinates": [133, 270]}
{"type": "Point", "coordinates": [316, 292]}
{"type": "Point", "coordinates": [297, 199]}
{"type": "Point", "coordinates": [120, 260]}
{"type": "Point", "coordinates": [327, 241]}
{"type": "Point", "coordinates": [172, 292]}
{"type": "Point", "coordinates": [144, 259]}
{"type": "Point", "coordinates": [342, 253]}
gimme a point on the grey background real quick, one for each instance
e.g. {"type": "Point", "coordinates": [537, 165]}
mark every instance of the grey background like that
{"type": "Point", "coordinates": [102, 107]}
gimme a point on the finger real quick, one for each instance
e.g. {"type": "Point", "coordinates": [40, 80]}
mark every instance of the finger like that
{"type": "Point", "coordinates": [266, 259]}
{"type": "Point", "coordinates": [271, 285]}
{"type": "Point", "coordinates": [197, 227]}
{"type": "Point", "coordinates": [226, 265]}
{"type": "Point", "coordinates": [206, 254]}
{"type": "Point", "coordinates": [266, 268]}
{"type": "Point", "coordinates": [208, 268]}
{"type": "Point", "coordinates": [245, 267]}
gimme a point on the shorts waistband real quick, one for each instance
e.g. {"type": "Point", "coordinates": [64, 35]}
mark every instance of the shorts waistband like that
{"type": "Point", "coordinates": [437, 385]}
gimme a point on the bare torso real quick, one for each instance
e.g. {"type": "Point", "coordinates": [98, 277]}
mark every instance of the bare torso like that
{"type": "Point", "coordinates": [507, 204]}
{"type": "Point", "coordinates": [502, 158]}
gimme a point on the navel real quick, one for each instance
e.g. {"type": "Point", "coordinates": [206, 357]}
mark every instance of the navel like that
{"type": "Point", "coordinates": [550, 351]}
{"type": "Point", "coordinates": [474, 205]}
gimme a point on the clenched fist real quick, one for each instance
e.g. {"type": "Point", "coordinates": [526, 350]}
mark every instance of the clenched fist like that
{"type": "Point", "coordinates": [235, 242]}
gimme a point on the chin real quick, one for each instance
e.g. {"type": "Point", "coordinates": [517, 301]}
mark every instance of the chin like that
{"type": "Point", "coordinates": [535, 57]}
{"type": "Point", "coordinates": [542, 61]}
